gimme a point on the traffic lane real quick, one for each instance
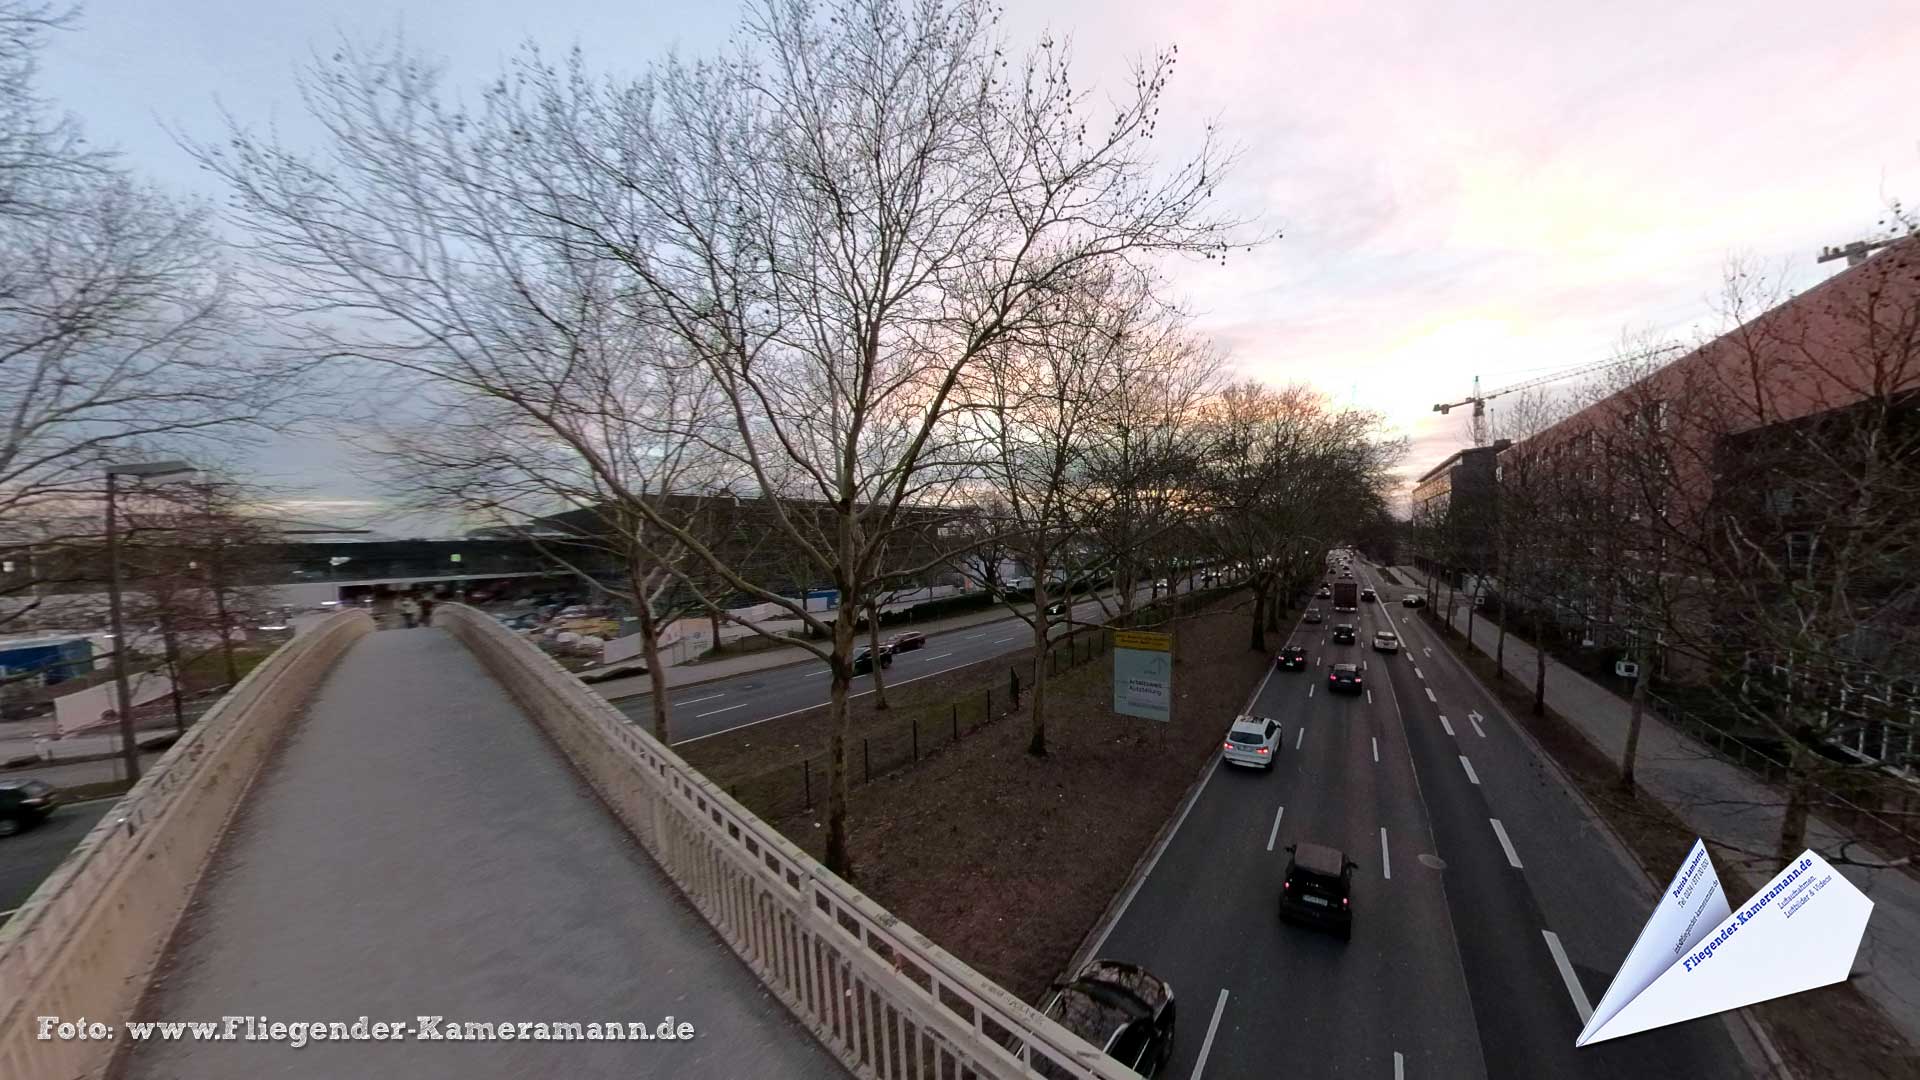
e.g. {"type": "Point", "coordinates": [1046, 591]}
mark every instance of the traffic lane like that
{"type": "Point", "coordinates": [27, 858]}
{"type": "Point", "coordinates": [1580, 890]}
{"type": "Point", "coordinates": [1506, 953]}
{"type": "Point", "coordinates": [711, 708]}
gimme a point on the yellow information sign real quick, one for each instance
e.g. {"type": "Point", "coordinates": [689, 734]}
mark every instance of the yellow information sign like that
{"type": "Point", "coordinates": [1140, 639]}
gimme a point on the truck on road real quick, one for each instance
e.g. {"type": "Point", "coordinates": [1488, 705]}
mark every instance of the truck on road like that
{"type": "Point", "coordinates": [1346, 596]}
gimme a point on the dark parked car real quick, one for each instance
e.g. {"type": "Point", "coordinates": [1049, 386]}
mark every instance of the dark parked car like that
{"type": "Point", "coordinates": [1318, 888]}
{"type": "Point", "coordinates": [1314, 615]}
{"type": "Point", "coordinates": [907, 640]}
{"type": "Point", "coordinates": [1344, 678]}
{"type": "Point", "coordinates": [1122, 1009]}
{"type": "Point", "coordinates": [863, 660]}
{"type": "Point", "coordinates": [25, 802]}
{"type": "Point", "coordinates": [1413, 600]}
{"type": "Point", "coordinates": [1291, 657]}
{"type": "Point", "coordinates": [1343, 634]}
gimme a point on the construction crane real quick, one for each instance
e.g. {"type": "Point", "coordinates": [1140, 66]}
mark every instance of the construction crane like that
{"type": "Point", "coordinates": [1479, 400]}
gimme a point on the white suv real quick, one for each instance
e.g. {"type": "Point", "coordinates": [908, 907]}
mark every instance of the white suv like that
{"type": "Point", "coordinates": [1386, 641]}
{"type": "Point", "coordinates": [1253, 740]}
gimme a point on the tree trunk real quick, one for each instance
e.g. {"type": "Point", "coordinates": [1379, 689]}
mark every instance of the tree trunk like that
{"type": "Point", "coordinates": [1539, 665]}
{"type": "Point", "coordinates": [173, 676]}
{"type": "Point", "coordinates": [839, 858]}
{"type": "Point", "coordinates": [1469, 624]}
{"type": "Point", "coordinates": [1258, 641]}
{"type": "Point", "coordinates": [217, 581]}
{"type": "Point", "coordinates": [873, 650]}
{"type": "Point", "coordinates": [656, 673]}
{"type": "Point", "coordinates": [713, 616]}
{"type": "Point", "coordinates": [1037, 700]}
{"type": "Point", "coordinates": [1633, 728]}
{"type": "Point", "coordinates": [1793, 823]}
{"type": "Point", "coordinates": [1500, 650]}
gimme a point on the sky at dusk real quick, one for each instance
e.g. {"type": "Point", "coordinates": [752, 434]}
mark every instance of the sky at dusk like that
{"type": "Point", "coordinates": [1500, 189]}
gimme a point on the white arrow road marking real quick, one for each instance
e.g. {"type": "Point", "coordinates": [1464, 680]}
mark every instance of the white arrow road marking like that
{"type": "Point", "coordinates": [1506, 845]}
{"type": "Point", "coordinates": [1386, 865]}
{"type": "Point", "coordinates": [1429, 652]}
{"type": "Point", "coordinates": [1444, 724]}
{"type": "Point", "coordinates": [1574, 989]}
{"type": "Point", "coordinates": [1468, 765]}
{"type": "Point", "coordinates": [1474, 718]}
{"type": "Point", "coordinates": [1276, 827]}
{"type": "Point", "coordinates": [1212, 1027]}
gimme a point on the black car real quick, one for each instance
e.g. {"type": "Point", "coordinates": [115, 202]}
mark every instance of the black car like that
{"type": "Point", "coordinates": [1344, 678]}
{"type": "Point", "coordinates": [907, 640]}
{"type": "Point", "coordinates": [1343, 634]}
{"type": "Point", "coordinates": [1368, 594]}
{"type": "Point", "coordinates": [1313, 615]}
{"type": "Point", "coordinates": [1291, 657]}
{"type": "Point", "coordinates": [1413, 600]}
{"type": "Point", "coordinates": [863, 660]}
{"type": "Point", "coordinates": [1120, 1008]}
{"type": "Point", "coordinates": [1318, 888]}
{"type": "Point", "coordinates": [25, 802]}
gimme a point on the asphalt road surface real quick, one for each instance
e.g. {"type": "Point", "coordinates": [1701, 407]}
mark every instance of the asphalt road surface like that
{"type": "Point", "coordinates": [26, 858]}
{"type": "Point", "coordinates": [1476, 948]}
{"type": "Point", "coordinates": [725, 704]}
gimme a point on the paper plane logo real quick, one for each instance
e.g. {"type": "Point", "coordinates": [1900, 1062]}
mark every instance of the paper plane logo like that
{"type": "Point", "coordinates": [1696, 956]}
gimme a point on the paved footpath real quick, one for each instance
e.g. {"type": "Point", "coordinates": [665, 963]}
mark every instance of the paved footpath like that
{"type": "Point", "coordinates": [1726, 803]}
{"type": "Point", "coordinates": [418, 849]}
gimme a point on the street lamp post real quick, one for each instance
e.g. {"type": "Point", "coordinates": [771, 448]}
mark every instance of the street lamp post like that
{"type": "Point", "coordinates": [129, 749]}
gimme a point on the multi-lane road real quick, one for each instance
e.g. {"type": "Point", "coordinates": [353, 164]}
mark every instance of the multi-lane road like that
{"type": "Point", "coordinates": [1489, 912]}
{"type": "Point", "coordinates": [723, 705]}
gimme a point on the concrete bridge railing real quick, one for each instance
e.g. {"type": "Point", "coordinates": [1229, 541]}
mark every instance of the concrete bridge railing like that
{"type": "Point", "coordinates": [86, 942]}
{"type": "Point", "coordinates": [881, 996]}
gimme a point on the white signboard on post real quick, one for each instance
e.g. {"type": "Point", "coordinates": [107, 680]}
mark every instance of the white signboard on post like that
{"type": "Point", "coordinates": [1143, 674]}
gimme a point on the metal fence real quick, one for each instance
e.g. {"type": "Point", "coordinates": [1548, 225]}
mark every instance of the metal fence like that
{"type": "Point", "coordinates": [887, 1001]}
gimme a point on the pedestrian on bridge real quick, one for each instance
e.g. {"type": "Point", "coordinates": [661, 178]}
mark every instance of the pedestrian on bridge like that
{"type": "Point", "coordinates": [426, 610]}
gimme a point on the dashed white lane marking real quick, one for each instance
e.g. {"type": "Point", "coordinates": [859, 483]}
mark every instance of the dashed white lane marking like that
{"type": "Point", "coordinates": [1369, 697]}
{"type": "Point", "coordinates": [1376, 751]}
{"type": "Point", "coordinates": [1310, 689]}
{"type": "Point", "coordinates": [1300, 738]}
{"type": "Point", "coordinates": [1386, 864]}
{"type": "Point", "coordinates": [1430, 696]}
{"type": "Point", "coordinates": [698, 700]}
{"type": "Point", "coordinates": [1574, 989]}
{"type": "Point", "coordinates": [1444, 724]}
{"type": "Point", "coordinates": [1004, 640]}
{"type": "Point", "coordinates": [938, 656]}
{"type": "Point", "coordinates": [817, 674]}
{"type": "Point", "coordinates": [1468, 765]}
{"type": "Point", "coordinates": [1276, 827]}
{"type": "Point", "coordinates": [717, 712]}
{"type": "Point", "coordinates": [1205, 1047]}
{"type": "Point", "coordinates": [1416, 671]}
{"type": "Point", "coordinates": [1399, 1067]}
{"type": "Point", "coordinates": [1506, 845]}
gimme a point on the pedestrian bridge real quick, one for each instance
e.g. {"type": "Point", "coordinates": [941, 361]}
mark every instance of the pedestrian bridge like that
{"type": "Point", "coordinates": [450, 858]}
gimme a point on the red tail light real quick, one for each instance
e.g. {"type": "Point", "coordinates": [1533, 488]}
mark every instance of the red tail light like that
{"type": "Point", "coordinates": [1262, 750]}
{"type": "Point", "coordinates": [1343, 901]}
{"type": "Point", "coordinates": [1286, 885]}
{"type": "Point", "coordinates": [1226, 745]}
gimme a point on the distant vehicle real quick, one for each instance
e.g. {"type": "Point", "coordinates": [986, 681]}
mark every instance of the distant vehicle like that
{"type": "Point", "coordinates": [1291, 657]}
{"type": "Point", "coordinates": [1386, 641]}
{"type": "Point", "coordinates": [1324, 592]}
{"type": "Point", "coordinates": [863, 660]}
{"type": "Point", "coordinates": [1369, 594]}
{"type": "Point", "coordinates": [1253, 740]}
{"type": "Point", "coordinates": [1121, 1008]}
{"type": "Point", "coordinates": [1058, 607]}
{"type": "Point", "coordinates": [25, 802]}
{"type": "Point", "coordinates": [1346, 596]}
{"type": "Point", "coordinates": [1343, 634]}
{"type": "Point", "coordinates": [907, 640]}
{"type": "Point", "coordinates": [1413, 600]}
{"type": "Point", "coordinates": [1317, 888]}
{"type": "Point", "coordinates": [1161, 584]}
{"type": "Point", "coordinates": [1313, 615]}
{"type": "Point", "coordinates": [1344, 678]}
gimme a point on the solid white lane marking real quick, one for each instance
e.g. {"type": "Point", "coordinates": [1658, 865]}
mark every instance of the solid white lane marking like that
{"type": "Point", "coordinates": [1416, 671]}
{"type": "Point", "coordinates": [1468, 765]}
{"type": "Point", "coordinates": [1376, 751]}
{"type": "Point", "coordinates": [698, 700]}
{"type": "Point", "coordinates": [1506, 845]}
{"type": "Point", "coordinates": [1474, 719]}
{"type": "Point", "coordinates": [1430, 696]}
{"type": "Point", "coordinates": [1147, 871]}
{"type": "Point", "coordinates": [717, 712]}
{"type": "Point", "coordinates": [1574, 989]}
{"type": "Point", "coordinates": [1444, 724]}
{"type": "Point", "coordinates": [1300, 738]}
{"type": "Point", "coordinates": [1399, 1067]}
{"type": "Point", "coordinates": [1386, 864]}
{"type": "Point", "coordinates": [1205, 1047]}
{"type": "Point", "coordinates": [1276, 827]}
